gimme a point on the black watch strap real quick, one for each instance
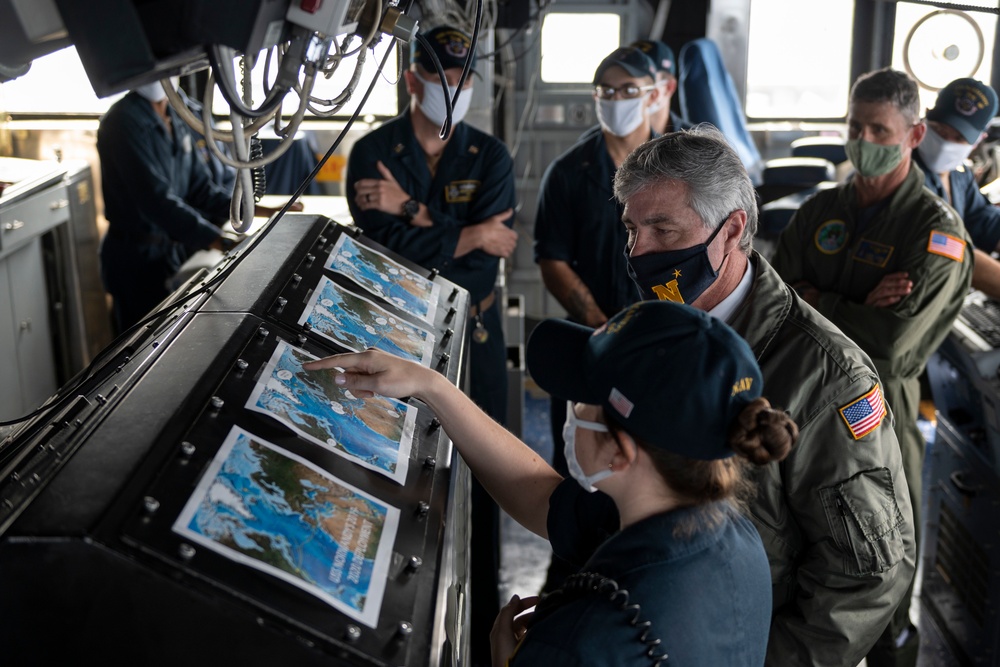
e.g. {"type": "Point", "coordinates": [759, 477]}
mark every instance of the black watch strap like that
{"type": "Point", "coordinates": [410, 209]}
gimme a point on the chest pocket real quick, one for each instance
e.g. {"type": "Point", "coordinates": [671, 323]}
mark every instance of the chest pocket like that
{"type": "Point", "coordinates": [865, 522]}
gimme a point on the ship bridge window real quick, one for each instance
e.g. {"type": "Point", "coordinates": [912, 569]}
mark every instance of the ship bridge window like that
{"type": "Point", "coordinates": [799, 59]}
{"type": "Point", "coordinates": [563, 61]}
{"type": "Point", "coordinates": [56, 84]}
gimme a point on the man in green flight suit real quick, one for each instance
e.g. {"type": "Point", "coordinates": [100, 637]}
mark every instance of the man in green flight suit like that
{"type": "Point", "coordinates": [889, 263]}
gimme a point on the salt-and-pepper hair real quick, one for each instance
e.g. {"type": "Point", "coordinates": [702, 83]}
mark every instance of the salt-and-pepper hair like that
{"type": "Point", "coordinates": [892, 86]}
{"type": "Point", "coordinates": [701, 157]}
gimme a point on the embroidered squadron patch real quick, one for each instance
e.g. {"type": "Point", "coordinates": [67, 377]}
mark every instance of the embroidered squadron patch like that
{"type": "Point", "coordinates": [870, 252]}
{"type": "Point", "coordinates": [831, 237]}
{"type": "Point", "coordinates": [863, 415]}
{"type": "Point", "coordinates": [946, 245]}
{"type": "Point", "coordinates": [460, 191]}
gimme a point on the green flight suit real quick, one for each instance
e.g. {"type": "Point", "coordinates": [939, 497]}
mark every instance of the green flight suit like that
{"type": "Point", "coordinates": [834, 516]}
{"type": "Point", "coordinates": [827, 245]}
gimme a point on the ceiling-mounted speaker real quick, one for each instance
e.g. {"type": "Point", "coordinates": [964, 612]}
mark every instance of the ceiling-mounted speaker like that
{"type": "Point", "coordinates": [943, 46]}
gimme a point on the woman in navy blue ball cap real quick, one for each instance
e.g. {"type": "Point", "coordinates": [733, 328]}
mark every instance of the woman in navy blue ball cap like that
{"type": "Point", "coordinates": [665, 410]}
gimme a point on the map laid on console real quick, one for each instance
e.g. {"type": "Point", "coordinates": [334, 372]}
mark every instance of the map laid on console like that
{"type": "Point", "coordinates": [267, 508]}
{"type": "Point", "coordinates": [384, 277]}
{"type": "Point", "coordinates": [357, 323]}
{"type": "Point", "coordinates": [375, 432]}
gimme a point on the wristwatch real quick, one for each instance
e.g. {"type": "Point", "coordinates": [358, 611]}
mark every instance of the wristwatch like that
{"type": "Point", "coordinates": [410, 209]}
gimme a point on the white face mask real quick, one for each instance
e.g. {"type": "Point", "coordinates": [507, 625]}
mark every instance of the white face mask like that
{"type": "Point", "coordinates": [154, 91]}
{"type": "Point", "coordinates": [569, 449]}
{"type": "Point", "coordinates": [621, 117]}
{"type": "Point", "coordinates": [433, 105]}
{"type": "Point", "coordinates": [655, 107]}
{"type": "Point", "coordinates": [941, 155]}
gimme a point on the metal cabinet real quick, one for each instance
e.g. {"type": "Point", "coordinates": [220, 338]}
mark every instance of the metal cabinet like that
{"type": "Point", "coordinates": [32, 374]}
{"type": "Point", "coordinates": [53, 314]}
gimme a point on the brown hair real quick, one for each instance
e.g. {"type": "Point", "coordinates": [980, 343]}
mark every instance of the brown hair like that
{"type": "Point", "coordinates": [760, 434]}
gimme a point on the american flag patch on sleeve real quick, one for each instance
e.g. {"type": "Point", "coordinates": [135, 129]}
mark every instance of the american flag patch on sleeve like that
{"type": "Point", "coordinates": [863, 415]}
{"type": "Point", "coordinates": [946, 245]}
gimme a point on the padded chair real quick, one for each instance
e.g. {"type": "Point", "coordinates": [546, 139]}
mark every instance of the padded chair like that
{"type": "Point", "coordinates": [706, 94]}
{"type": "Point", "coordinates": [828, 148]}
{"type": "Point", "coordinates": [787, 175]}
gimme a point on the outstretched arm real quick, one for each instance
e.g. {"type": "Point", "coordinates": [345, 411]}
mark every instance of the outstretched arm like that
{"type": "Point", "coordinates": [517, 478]}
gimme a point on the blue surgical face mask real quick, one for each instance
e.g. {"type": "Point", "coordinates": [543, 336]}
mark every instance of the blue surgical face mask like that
{"type": "Point", "coordinates": [569, 449]}
{"type": "Point", "coordinates": [680, 276]}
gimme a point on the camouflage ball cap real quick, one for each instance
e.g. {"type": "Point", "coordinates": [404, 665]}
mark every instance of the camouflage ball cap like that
{"type": "Point", "coordinates": [671, 375]}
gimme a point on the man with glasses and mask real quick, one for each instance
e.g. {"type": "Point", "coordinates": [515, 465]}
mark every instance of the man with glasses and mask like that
{"type": "Point", "coordinates": [835, 516]}
{"type": "Point", "coordinates": [578, 236]}
{"type": "Point", "coordinates": [448, 203]}
{"type": "Point", "coordinates": [955, 125]}
{"type": "Point", "coordinates": [889, 263]}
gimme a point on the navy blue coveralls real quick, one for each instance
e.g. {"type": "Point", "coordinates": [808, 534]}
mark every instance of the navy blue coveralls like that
{"type": "Point", "coordinates": [474, 180]}
{"type": "Point", "coordinates": [981, 218]}
{"type": "Point", "coordinates": [160, 202]}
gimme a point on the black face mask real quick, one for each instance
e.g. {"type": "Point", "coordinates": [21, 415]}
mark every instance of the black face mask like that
{"type": "Point", "coordinates": [680, 276]}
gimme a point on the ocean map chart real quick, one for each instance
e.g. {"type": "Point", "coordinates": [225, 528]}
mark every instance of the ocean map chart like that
{"type": "Point", "coordinates": [384, 277]}
{"type": "Point", "coordinates": [375, 432]}
{"type": "Point", "coordinates": [358, 323]}
{"type": "Point", "coordinates": [267, 508]}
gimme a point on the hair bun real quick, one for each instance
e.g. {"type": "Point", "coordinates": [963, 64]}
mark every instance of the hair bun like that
{"type": "Point", "coordinates": [761, 433]}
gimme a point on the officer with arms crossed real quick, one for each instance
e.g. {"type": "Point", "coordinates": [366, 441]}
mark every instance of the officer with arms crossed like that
{"type": "Point", "coordinates": [448, 204]}
{"type": "Point", "coordinates": [955, 125]}
{"type": "Point", "coordinates": [682, 557]}
{"type": "Point", "coordinates": [887, 261]}
{"type": "Point", "coordinates": [834, 516]}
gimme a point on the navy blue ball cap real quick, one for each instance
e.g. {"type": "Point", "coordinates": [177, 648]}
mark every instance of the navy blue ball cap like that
{"type": "Point", "coordinates": [966, 105]}
{"type": "Point", "coordinates": [630, 59]}
{"type": "Point", "coordinates": [451, 46]}
{"type": "Point", "coordinates": [671, 375]}
{"type": "Point", "coordinates": [661, 54]}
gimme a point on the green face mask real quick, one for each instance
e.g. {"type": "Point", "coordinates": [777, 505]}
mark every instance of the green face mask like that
{"type": "Point", "coordinates": [872, 160]}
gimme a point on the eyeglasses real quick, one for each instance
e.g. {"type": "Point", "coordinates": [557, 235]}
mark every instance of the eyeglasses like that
{"type": "Point", "coordinates": [627, 92]}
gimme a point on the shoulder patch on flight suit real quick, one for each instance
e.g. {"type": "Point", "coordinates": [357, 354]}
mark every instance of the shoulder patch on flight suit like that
{"type": "Point", "coordinates": [871, 252]}
{"type": "Point", "coordinates": [460, 191]}
{"type": "Point", "coordinates": [864, 414]}
{"type": "Point", "coordinates": [831, 237]}
{"type": "Point", "coordinates": [946, 245]}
